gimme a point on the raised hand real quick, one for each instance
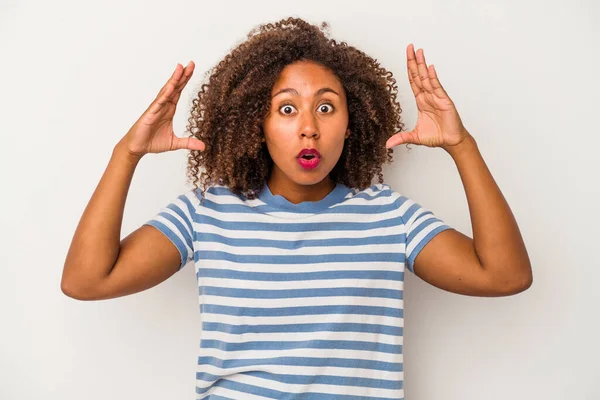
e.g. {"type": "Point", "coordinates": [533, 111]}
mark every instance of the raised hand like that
{"type": "Point", "coordinates": [153, 131]}
{"type": "Point", "coordinates": [438, 123]}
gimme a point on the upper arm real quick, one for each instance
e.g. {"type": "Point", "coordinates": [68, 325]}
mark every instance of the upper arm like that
{"type": "Point", "coordinates": [153, 252]}
{"type": "Point", "coordinates": [449, 262]}
{"type": "Point", "coordinates": [146, 258]}
{"type": "Point", "coordinates": [440, 255]}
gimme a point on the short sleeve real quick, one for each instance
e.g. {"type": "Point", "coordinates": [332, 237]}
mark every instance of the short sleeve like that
{"type": "Point", "coordinates": [421, 226]}
{"type": "Point", "coordinates": [176, 222]}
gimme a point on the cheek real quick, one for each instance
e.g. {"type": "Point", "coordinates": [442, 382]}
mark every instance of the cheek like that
{"type": "Point", "coordinates": [279, 134]}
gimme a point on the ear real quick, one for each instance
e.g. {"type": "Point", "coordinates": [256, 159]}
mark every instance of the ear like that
{"type": "Point", "coordinates": [347, 134]}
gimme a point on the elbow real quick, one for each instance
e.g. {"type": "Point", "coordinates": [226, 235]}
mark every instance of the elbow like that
{"type": "Point", "coordinates": [73, 291]}
{"type": "Point", "coordinates": [527, 279]}
{"type": "Point", "coordinates": [69, 290]}
{"type": "Point", "coordinates": [518, 285]}
{"type": "Point", "coordinates": [522, 286]}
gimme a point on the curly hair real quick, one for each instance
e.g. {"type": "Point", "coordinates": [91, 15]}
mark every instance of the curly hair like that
{"type": "Point", "coordinates": [228, 111]}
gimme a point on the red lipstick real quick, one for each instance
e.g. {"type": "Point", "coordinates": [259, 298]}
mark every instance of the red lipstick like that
{"type": "Point", "coordinates": [309, 158]}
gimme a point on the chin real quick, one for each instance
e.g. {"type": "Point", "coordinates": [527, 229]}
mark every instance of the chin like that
{"type": "Point", "coordinates": [295, 173]}
{"type": "Point", "coordinates": [310, 177]}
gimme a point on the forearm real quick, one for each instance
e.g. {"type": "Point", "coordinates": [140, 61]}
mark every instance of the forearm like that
{"type": "Point", "coordinates": [96, 242]}
{"type": "Point", "coordinates": [496, 236]}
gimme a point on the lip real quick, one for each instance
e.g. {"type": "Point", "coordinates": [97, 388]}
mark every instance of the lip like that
{"type": "Point", "coordinates": [309, 164]}
{"type": "Point", "coordinates": [304, 151]}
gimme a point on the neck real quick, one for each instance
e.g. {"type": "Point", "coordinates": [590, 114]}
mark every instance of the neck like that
{"type": "Point", "coordinates": [296, 193]}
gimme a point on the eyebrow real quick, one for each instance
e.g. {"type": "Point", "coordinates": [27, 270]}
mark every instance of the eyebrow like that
{"type": "Point", "coordinates": [294, 91]}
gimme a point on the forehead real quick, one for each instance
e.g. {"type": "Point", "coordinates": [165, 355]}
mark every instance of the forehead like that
{"type": "Point", "coordinates": [306, 75]}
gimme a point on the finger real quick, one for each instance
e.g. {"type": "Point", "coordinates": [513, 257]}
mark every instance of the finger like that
{"type": "Point", "coordinates": [173, 80]}
{"type": "Point", "coordinates": [162, 99]}
{"type": "Point", "coordinates": [189, 143]}
{"type": "Point", "coordinates": [187, 75]}
{"type": "Point", "coordinates": [423, 72]}
{"type": "Point", "coordinates": [435, 83]}
{"type": "Point", "coordinates": [169, 92]}
{"type": "Point", "coordinates": [411, 68]}
{"type": "Point", "coordinates": [399, 138]}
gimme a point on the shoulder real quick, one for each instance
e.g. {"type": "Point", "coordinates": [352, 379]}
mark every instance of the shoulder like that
{"type": "Point", "coordinates": [397, 203]}
{"type": "Point", "coordinates": [378, 192]}
{"type": "Point", "coordinates": [214, 195]}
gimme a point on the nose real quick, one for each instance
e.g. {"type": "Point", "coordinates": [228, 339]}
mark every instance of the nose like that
{"type": "Point", "coordinates": [308, 127]}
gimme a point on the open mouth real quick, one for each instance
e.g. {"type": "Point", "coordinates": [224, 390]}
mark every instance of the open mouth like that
{"type": "Point", "coordinates": [309, 161]}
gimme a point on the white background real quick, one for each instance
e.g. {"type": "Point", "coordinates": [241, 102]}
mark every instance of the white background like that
{"type": "Point", "coordinates": [75, 75]}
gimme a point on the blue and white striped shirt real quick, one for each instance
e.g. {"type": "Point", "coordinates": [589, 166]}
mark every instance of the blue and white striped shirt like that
{"type": "Point", "coordinates": [300, 301]}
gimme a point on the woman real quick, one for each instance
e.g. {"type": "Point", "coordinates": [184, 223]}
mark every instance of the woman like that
{"type": "Point", "coordinates": [300, 259]}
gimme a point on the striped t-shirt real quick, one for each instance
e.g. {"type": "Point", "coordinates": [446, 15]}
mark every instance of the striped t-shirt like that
{"type": "Point", "coordinates": [299, 301]}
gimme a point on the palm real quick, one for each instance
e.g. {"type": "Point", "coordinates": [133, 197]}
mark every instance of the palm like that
{"type": "Point", "coordinates": [153, 131]}
{"type": "Point", "coordinates": [162, 137]}
{"type": "Point", "coordinates": [438, 122]}
{"type": "Point", "coordinates": [437, 117]}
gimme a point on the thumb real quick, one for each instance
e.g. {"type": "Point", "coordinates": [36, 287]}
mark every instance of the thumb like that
{"type": "Point", "coordinates": [399, 138]}
{"type": "Point", "coordinates": [189, 143]}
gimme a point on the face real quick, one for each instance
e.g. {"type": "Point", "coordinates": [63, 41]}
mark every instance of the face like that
{"type": "Point", "coordinates": [308, 111]}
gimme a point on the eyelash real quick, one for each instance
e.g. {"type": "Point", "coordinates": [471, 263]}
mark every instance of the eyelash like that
{"type": "Point", "coordinates": [320, 105]}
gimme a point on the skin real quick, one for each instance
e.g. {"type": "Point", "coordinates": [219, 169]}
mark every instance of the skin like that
{"type": "Point", "coordinates": [492, 263]}
{"type": "Point", "coordinates": [495, 261]}
{"type": "Point", "coordinates": [305, 118]}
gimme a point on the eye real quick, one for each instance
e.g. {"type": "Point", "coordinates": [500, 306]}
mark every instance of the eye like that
{"type": "Point", "coordinates": [287, 108]}
{"type": "Point", "coordinates": [325, 105]}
